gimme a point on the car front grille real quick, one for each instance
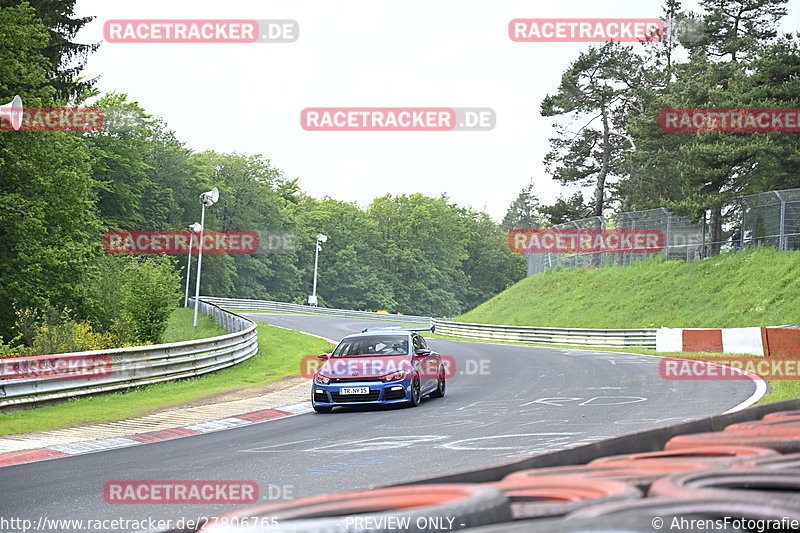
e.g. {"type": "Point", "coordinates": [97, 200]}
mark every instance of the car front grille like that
{"type": "Point", "coordinates": [347, 398]}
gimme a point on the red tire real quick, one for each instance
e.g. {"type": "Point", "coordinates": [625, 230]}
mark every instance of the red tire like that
{"type": "Point", "coordinates": [783, 426]}
{"type": "Point", "coordinates": [782, 414]}
{"type": "Point", "coordinates": [470, 505]}
{"type": "Point", "coordinates": [543, 496]}
{"type": "Point", "coordinates": [779, 443]}
{"type": "Point", "coordinates": [640, 474]}
{"type": "Point", "coordinates": [778, 462]}
{"type": "Point", "coordinates": [757, 485]}
{"type": "Point", "coordinates": [729, 506]}
{"type": "Point", "coordinates": [707, 455]}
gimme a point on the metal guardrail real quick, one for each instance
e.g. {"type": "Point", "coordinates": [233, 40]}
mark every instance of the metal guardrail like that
{"type": "Point", "coordinates": [566, 336]}
{"type": "Point", "coordinates": [281, 307]}
{"type": "Point", "coordinates": [141, 365]}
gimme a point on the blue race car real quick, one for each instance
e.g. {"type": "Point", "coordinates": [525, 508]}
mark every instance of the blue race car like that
{"type": "Point", "coordinates": [379, 366]}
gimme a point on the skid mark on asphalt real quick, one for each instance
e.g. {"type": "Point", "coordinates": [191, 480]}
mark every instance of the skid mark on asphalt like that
{"type": "Point", "coordinates": [596, 401]}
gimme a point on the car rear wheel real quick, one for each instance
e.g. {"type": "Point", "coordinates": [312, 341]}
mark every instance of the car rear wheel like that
{"type": "Point", "coordinates": [441, 386]}
{"type": "Point", "coordinates": [416, 395]}
{"type": "Point", "coordinates": [321, 409]}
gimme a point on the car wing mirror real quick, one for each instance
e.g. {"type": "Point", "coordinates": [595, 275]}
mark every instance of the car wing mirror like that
{"type": "Point", "coordinates": [323, 357]}
{"type": "Point", "coordinates": [423, 352]}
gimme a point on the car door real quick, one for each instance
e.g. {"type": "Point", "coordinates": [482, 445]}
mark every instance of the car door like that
{"type": "Point", "coordinates": [426, 378]}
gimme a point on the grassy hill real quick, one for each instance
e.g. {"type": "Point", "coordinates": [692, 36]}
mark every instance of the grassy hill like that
{"type": "Point", "coordinates": [757, 287]}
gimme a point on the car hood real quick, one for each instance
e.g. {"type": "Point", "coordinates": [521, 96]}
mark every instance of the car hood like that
{"type": "Point", "coordinates": [364, 367]}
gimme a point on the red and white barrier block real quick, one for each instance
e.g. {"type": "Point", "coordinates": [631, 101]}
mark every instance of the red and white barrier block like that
{"type": "Point", "coordinates": [784, 340]}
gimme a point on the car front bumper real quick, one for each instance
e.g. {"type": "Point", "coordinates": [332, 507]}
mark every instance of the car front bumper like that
{"type": "Point", "coordinates": [380, 393]}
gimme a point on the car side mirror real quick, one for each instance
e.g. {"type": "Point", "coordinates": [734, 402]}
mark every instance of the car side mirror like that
{"type": "Point", "coordinates": [423, 352]}
{"type": "Point", "coordinates": [323, 357]}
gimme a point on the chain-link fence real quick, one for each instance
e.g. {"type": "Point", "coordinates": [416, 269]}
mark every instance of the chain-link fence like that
{"type": "Point", "coordinates": [766, 219]}
{"type": "Point", "coordinates": [769, 219]}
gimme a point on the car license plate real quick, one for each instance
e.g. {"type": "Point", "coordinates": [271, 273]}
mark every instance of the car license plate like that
{"type": "Point", "coordinates": [354, 390]}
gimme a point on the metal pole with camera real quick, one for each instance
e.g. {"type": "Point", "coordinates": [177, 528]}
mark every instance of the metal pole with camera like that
{"type": "Point", "coordinates": [207, 199]}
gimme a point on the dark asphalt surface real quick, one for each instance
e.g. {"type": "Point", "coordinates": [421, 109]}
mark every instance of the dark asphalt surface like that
{"type": "Point", "coordinates": [505, 402]}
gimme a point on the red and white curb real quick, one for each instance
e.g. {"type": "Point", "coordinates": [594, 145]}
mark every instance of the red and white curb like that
{"type": "Point", "coordinates": [90, 446]}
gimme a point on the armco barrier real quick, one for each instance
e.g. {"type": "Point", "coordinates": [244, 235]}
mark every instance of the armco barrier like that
{"type": "Point", "coordinates": [281, 307]}
{"type": "Point", "coordinates": [566, 336]}
{"type": "Point", "coordinates": [141, 365]}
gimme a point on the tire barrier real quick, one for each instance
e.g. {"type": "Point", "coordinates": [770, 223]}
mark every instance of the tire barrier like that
{"type": "Point", "coordinates": [396, 509]}
{"type": "Point", "coordinates": [757, 485]}
{"type": "Point", "coordinates": [779, 443]}
{"type": "Point", "coordinates": [710, 455]}
{"type": "Point", "coordinates": [640, 475]}
{"type": "Point", "coordinates": [546, 496]}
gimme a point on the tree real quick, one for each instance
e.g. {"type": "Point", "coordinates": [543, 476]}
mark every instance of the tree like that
{"type": "Point", "coordinates": [65, 58]}
{"type": "Point", "coordinates": [736, 28]}
{"type": "Point", "coordinates": [523, 212]}
{"type": "Point", "coordinates": [604, 84]}
{"type": "Point", "coordinates": [564, 210]}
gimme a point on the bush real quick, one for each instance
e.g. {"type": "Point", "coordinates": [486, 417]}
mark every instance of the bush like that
{"type": "Point", "coordinates": [150, 293]}
{"type": "Point", "coordinates": [53, 332]}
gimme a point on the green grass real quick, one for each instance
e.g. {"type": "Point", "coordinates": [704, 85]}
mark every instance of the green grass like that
{"type": "Point", "coordinates": [279, 355]}
{"type": "Point", "coordinates": [757, 287]}
{"type": "Point", "coordinates": [180, 328]}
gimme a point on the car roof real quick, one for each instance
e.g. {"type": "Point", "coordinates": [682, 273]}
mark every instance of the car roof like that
{"type": "Point", "coordinates": [381, 333]}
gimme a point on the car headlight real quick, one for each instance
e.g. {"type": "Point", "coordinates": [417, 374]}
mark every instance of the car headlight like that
{"type": "Point", "coordinates": [322, 379]}
{"type": "Point", "coordinates": [394, 376]}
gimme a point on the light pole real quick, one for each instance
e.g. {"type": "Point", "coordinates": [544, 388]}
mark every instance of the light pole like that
{"type": "Point", "coordinates": [312, 300]}
{"type": "Point", "coordinates": [207, 198]}
{"type": "Point", "coordinates": [194, 228]}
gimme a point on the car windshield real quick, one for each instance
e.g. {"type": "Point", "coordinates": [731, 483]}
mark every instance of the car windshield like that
{"type": "Point", "coordinates": [373, 345]}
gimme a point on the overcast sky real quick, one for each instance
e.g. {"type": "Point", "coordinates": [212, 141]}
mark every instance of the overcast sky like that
{"type": "Point", "coordinates": [359, 53]}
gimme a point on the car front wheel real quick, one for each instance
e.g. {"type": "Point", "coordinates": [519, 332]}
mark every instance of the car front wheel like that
{"type": "Point", "coordinates": [415, 392]}
{"type": "Point", "coordinates": [440, 387]}
{"type": "Point", "coordinates": [321, 409]}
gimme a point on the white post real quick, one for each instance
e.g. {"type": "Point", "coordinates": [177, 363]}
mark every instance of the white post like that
{"type": "Point", "coordinates": [188, 270]}
{"type": "Point", "coordinates": [316, 261]}
{"type": "Point", "coordinates": [199, 263]}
